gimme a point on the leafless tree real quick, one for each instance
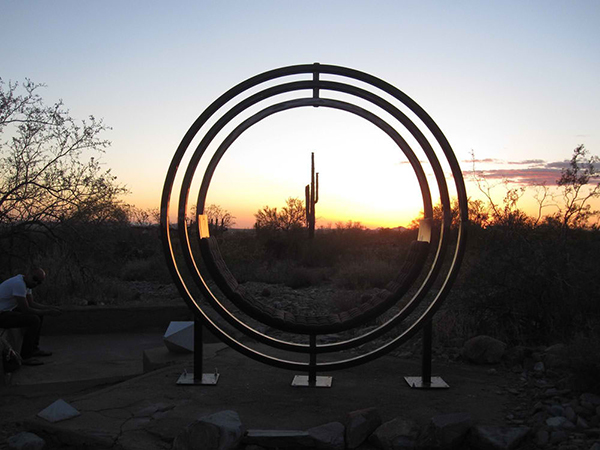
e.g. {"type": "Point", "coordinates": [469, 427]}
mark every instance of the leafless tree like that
{"type": "Point", "coordinates": [49, 172]}
{"type": "Point", "coordinates": [579, 184]}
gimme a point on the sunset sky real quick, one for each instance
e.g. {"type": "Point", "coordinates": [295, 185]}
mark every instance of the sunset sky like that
{"type": "Point", "coordinates": [515, 83]}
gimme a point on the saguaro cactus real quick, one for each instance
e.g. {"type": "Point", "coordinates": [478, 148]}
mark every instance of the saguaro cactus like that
{"type": "Point", "coordinates": [311, 193]}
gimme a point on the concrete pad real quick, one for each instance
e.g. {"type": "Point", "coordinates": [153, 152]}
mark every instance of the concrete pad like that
{"type": "Point", "coordinates": [265, 400]}
{"type": "Point", "coordinates": [96, 358]}
{"type": "Point", "coordinates": [159, 357]}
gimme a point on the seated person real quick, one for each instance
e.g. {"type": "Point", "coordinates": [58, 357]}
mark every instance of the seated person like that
{"type": "Point", "coordinates": [18, 310]}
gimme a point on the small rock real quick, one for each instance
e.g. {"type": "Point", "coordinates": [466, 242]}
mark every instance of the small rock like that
{"type": "Point", "coordinates": [590, 398]}
{"type": "Point", "coordinates": [556, 437]}
{"type": "Point", "coordinates": [483, 350]}
{"type": "Point", "coordinates": [556, 422]}
{"type": "Point", "coordinates": [498, 438]}
{"type": "Point", "coordinates": [570, 414]}
{"type": "Point", "coordinates": [539, 406]}
{"type": "Point", "coordinates": [219, 431]}
{"type": "Point", "coordinates": [539, 367]}
{"type": "Point", "coordinates": [360, 424]}
{"type": "Point", "coordinates": [556, 411]}
{"type": "Point", "coordinates": [26, 441]}
{"type": "Point", "coordinates": [538, 418]}
{"type": "Point", "coordinates": [556, 349]}
{"type": "Point", "coordinates": [588, 407]}
{"type": "Point", "coordinates": [582, 424]}
{"type": "Point", "coordinates": [542, 437]}
{"type": "Point", "coordinates": [329, 436]}
{"type": "Point", "coordinates": [492, 371]}
{"type": "Point", "coordinates": [550, 392]}
{"type": "Point", "coordinates": [596, 446]}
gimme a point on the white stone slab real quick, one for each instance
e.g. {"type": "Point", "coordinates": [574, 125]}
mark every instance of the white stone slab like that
{"type": "Point", "coordinates": [179, 337]}
{"type": "Point", "coordinates": [57, 411]}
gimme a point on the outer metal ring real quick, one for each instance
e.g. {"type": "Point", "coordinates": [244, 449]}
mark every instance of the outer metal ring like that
{"type": "Point", "coordinates": [316, 85]}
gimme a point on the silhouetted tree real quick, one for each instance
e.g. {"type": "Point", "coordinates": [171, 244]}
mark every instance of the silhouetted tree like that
{"type": "Point", "coordinates": [45, 178]}
{"type": "Point", "coordinates": [291, 217]}
{"type": "Point", "coordinates": [578, 188]}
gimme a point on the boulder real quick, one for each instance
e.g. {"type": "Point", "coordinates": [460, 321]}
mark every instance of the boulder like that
{"type": "Point", "coordinates": [497, 438]}
{"type": "Point", "coordinates": [446, 431]}
{"type": "Point", "coordinates": [483, 350]}
{"type": "Point", "coordinates": [360, 424]}
{"type": "Point", "coordinates": [396, 434]}
{"type": "Point", "coordinates": [220, 431]}
{"type": "Point", "coordinates": [329, 436]}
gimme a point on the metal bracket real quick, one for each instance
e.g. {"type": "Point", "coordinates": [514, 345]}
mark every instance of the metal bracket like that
{"type": "Point", "coordinates": [320, 382]}
{"type": "Point", "coordinates": [208, 379]}
{"type": "Point", "coordinates": [418, 383]}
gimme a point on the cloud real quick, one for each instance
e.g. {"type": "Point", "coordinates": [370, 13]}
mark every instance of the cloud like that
{"type": "Point", "coordinates": [559, 164]}
{"type": "Point", "coordinates": [538, 172]}
{"type": "Point", "coordinates": [528, 162]}
{"type": "Point", "coordinates": [484, 161]}
{"type": "Point", "coordinates": [529, 176]}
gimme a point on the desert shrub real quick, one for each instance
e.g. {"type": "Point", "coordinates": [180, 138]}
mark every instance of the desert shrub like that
{"type": "Point", "coordinates": [70, 282]}
{"type": "Point", "coordinates": [531, 284]}
{"type": "Point", "coordinates": [275, 272]}
{"type": "Point", "coordinates": [301, 277]}
{"type": "Point", "coordinates": [149, 269]}
{"type": "Point", "coordinates": [365, 274]}
{"type": "Point", "coordinates": [108, 291]}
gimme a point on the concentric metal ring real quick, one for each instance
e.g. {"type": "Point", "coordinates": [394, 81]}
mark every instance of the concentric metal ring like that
{"type": "Point", "coordinates": [317, 86]}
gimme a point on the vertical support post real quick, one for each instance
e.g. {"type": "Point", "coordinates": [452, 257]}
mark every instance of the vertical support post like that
{"type": "Point", "coordinates": [312, 365]}
{"type": "Point", "coordinates": [198, 350]}
{"type": "Point", "coordinates": [426, 381]}
{"type": "Point", "coordinates": [426, 362]}
{"type": "Point", "coordinates": [197, 377]}
{"type": "Point", "coordinates": [312, 380]}
{"type": "Point", "coordinates": [315, 80]}
{"type": "Point", "coordinates": [311, 229]}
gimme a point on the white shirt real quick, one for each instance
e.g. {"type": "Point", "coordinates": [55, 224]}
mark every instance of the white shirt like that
{"type": "Point", "coordinates": [11, 289]}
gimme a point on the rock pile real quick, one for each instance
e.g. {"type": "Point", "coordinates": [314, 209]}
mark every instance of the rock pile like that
{"type": "Point", "coordinates": [361, 429]}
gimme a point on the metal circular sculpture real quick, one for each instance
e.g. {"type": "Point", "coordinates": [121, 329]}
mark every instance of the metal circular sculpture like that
{"type": "Point", "coordinates": [319, 81]}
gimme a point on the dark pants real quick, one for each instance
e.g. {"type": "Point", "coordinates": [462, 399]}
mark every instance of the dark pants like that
{"type": "Point", "coordinates": [32, 323]}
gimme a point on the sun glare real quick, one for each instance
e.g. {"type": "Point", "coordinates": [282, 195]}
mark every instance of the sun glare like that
{"type": "Point", "coordinates": [363, 175]}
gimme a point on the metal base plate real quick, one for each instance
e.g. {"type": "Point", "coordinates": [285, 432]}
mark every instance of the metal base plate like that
{"type": "Point", "coordinates": [302, 381]}
{"type": "Point", "coordinates": [417, 383]}
{"type": "Point", "coordinates": [208, 379]}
